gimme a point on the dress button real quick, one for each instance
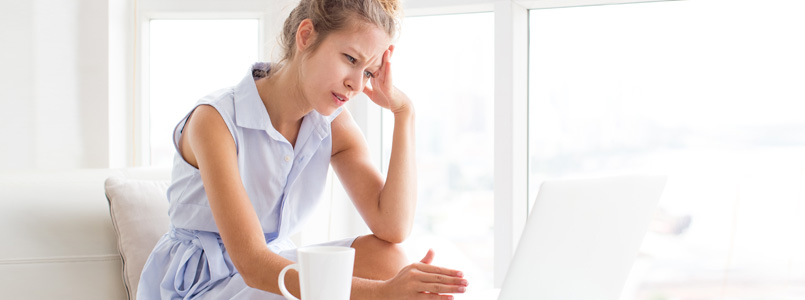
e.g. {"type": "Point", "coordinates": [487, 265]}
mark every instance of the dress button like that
{"type": "Point", "coordinates": [287, 158]}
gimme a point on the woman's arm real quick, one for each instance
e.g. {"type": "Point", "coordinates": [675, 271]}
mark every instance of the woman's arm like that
{"type": "Point", "coordinates": [386, 206]}
{"type": "Point", "coordinates": [399, 196]}
{"type": "Point", "coordinates": [208, 145]}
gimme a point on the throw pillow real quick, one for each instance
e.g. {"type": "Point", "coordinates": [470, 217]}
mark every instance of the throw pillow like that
{"type": "Point", "coordinates": [139, 210]}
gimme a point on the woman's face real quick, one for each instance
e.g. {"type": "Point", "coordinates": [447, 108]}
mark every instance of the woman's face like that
{"type": "Point", "coordinates": [341, 66]}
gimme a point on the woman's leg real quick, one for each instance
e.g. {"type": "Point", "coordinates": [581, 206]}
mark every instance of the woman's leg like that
{"type": "Point", "coordinates": [377, 259]}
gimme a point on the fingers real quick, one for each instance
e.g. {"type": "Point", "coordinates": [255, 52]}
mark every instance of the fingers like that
{"type": "Point", "coordinates": [427, 296]}
{"type": "Point", "coordinates": [439, 280]}
{"type": "Point", "coordinates": [438, 288]}
{"type": "Point", "coordinates": [368, 91]}
{"type": "Point", "coordinates": [428, 257]}
{"type": "Point", "coordinates": [427, 268]}
{"type": "Point", "coordinates": [384, 72]}
{"type": "Point", "coordinates": [387, 66]}
{"type": "Point", "coordinates": [387, 74]}
{"type": "Point", "coordinates": [429, 281]}
{"type": "Point", "coordinates": [442, 279]}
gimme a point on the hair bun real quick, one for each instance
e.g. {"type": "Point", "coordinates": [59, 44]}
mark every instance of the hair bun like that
{"type": "Point", "coordinates": [329, 16]}
{"type": "Point", "coordinates": [392, 7]}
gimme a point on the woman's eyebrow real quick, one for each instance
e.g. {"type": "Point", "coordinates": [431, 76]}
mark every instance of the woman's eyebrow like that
{"type": "Point", "coordinates": [362, 57]}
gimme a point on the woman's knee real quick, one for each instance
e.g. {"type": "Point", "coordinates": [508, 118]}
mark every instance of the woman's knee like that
{"type": "Point", "coordinates": [371, 245]}
{"type": "Point", "coordinates": [376, 258]}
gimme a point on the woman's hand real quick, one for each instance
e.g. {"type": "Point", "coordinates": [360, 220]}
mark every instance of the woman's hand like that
{"type": "Point", "coordinates": [424, 281]}
{"type": "Point", "coordinates": [383, 92]}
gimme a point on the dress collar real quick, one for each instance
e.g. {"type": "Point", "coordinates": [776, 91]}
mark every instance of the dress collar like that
{"type": "Point", "coordinates": [250, 112]}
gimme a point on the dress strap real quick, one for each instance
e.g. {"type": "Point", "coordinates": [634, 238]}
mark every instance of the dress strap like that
{"type": "Point", "coordinates": [202, 261]}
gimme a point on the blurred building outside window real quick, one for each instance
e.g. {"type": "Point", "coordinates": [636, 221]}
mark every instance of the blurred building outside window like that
{"type": "Point", "coordinates": [709, 93]}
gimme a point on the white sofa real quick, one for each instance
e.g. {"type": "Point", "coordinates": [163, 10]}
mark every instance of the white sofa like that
{"type": "Point", "coordinates": [58, 241]}
{"type": "Point", "coordinates": [57, 236]}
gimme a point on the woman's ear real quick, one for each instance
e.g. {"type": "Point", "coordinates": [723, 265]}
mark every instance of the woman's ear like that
{"type": "Point", "coordinates": [305, 35]}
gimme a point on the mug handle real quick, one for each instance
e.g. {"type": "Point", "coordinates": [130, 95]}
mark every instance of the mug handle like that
{"type": "Point", "coordinates": [281, 281]}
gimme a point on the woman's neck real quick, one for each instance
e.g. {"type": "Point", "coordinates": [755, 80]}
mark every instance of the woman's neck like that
{"type": "Point", "coordinates": [281, 93]}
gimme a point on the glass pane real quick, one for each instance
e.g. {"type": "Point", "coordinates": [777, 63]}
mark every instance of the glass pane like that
{"type": "Point", "coordinates": [188, 60]}
{"type": "Point", "coordinates": [445, 65]}
{"type": "Point", "coordinates": [709, 93]}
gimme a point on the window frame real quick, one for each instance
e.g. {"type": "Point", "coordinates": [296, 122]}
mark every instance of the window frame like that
{"type": "Point", "coordinates": [135, 103]}
{"type": "Point", "coordinates": [145, 63]}
{"type": "Point", "coordinates": [142, 133]}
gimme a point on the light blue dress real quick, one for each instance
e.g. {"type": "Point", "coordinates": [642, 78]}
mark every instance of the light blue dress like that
{"type": "Point", "coordinates": [284, 184]}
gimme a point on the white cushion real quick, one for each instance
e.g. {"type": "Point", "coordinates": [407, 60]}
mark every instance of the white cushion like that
{"type": "Point", "coordinates": [139, 210]}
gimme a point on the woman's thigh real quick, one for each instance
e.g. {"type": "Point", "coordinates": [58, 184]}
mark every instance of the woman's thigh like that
{"type": "Point", "coordinates": [374, 259]}
{"type": "Point", "coordinates": [235, 288]}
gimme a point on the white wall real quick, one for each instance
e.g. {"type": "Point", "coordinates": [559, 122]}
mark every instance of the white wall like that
{"type": "Point", "coordinates": [17, 113]}
{"type": "Point", "coordinates": [120, 78]}
{"type": "Point", "coordinates": [53, 84]}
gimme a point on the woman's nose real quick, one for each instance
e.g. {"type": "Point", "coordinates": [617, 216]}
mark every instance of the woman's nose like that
{"type": "Point", "coordinates": [354, 83]}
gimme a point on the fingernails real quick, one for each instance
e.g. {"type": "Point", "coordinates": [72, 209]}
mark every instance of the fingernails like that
{"type": "Point", "coordinates": [460, 274]}
{"type": "Point", "coordinates": [462, 289]}
{"type": "Point", "coordinates": [464, 283]}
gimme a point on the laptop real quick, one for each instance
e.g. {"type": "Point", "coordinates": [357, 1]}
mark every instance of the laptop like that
{"type": "Point", "coordinates": [581, 238]}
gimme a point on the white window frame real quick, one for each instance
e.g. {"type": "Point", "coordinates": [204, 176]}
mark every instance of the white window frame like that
{"type": "Point", "coordinates": [145, 62]}
{"type": "Point", "coordinates": [137, 133]}
{"type": "Point", "coordinates": [511, 89]}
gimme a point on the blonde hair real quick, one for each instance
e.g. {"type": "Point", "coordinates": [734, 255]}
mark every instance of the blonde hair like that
{"type": "Point", "coordinates": [329, 16]}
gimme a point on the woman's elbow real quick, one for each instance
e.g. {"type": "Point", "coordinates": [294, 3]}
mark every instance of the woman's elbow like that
{"type": "Point", "coordinates": [250, 281]}
{"type": "Point", "coordinates": [393, 235]}
{"type": "Point", "coordinates": [249, 270]}
{"type": "Point", "coordinates": [249, 276]}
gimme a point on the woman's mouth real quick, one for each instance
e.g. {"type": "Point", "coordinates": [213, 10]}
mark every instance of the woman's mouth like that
{"type": "Point", "coordinates": [340, 99]}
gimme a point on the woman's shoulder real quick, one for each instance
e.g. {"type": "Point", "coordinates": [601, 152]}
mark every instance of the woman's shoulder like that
{"type": "Point", "coordinates": [218, 106]}
{"type": "Point", "coordinates": [222, 100]}
{"type": "Point", "coordinates": [222, 96]}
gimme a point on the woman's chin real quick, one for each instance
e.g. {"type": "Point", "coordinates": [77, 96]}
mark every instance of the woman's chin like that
{"type": "Point", "coordinates": [326, 111]}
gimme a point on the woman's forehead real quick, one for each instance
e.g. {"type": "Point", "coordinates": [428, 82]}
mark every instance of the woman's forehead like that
{"type": "Point", "coordinates": [367, 39]}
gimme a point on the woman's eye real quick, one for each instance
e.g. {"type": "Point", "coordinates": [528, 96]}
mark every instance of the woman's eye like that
{"type": "Point", "coordinates": [368, 74]}
{"type": "Point", "coordinates": [350, 58]}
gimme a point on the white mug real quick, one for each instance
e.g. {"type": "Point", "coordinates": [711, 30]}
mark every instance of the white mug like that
{"type": "Point", "coordinates": [325, 273]}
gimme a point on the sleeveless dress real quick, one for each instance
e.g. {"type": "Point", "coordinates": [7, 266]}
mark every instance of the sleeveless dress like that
{"type": "Point", "coordinates": [284, 184]}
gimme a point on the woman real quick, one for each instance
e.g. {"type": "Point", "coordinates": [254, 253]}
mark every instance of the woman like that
{"type": "Point", "coordinates": [252, 160]}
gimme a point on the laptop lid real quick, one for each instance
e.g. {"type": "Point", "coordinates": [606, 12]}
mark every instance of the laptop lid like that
{"type": "Point", "coordinates": [581, 238]}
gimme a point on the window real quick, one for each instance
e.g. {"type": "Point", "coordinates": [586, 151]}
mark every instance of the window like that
{"type": "Point", "coordinates": [188, 59]}
{"type": "Point", "coordinates": [707, 92]}
{"type": "Point", "coordinates": [444, 63]}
